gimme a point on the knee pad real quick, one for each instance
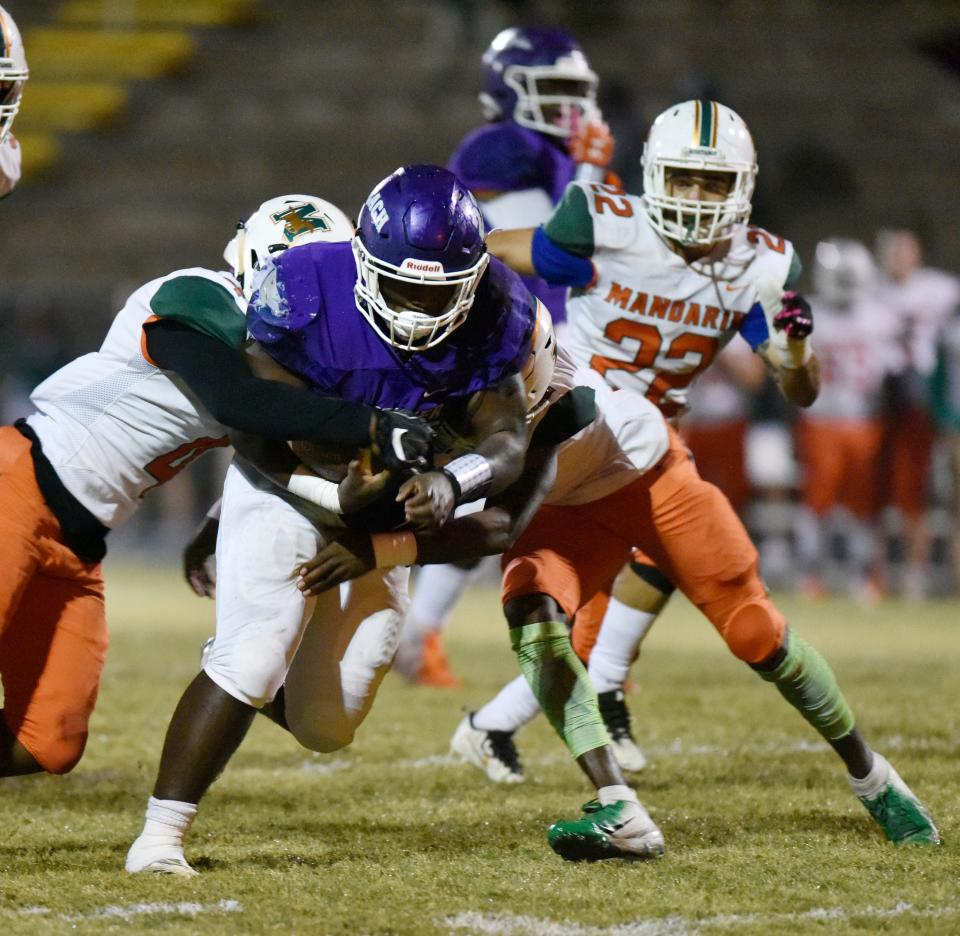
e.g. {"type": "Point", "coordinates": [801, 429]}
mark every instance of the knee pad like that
{"type": "Point", "coordinates": [754, 631]}
{"type": "Point", "coordinates": [252, 671]}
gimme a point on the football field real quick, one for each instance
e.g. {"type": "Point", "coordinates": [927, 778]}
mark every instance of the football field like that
{"type": "Point", "coordinates": [393, 836]}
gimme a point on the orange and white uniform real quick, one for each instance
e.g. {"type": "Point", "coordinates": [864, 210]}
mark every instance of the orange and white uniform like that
{"type": "Point", "coordinates": [839, 436]}
{"type": "Point", "coordinates": [915, 311]}
{"type": "Point", "coordinates": [109, 427]}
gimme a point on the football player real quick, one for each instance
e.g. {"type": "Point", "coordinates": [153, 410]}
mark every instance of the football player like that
{"type": "Point", "coordinates": [840, 436]}
{"type": "Point", "coordinates": [626, 480]}
{"type": "Point", "coordinates": [411, 314]}
{"type": "Point", "coordinates": [108, 428]}
{"type": "Point", "coordinates": [13, 75]}
{"type": "Point", "coordinates": [661, 283]}
{"type": "Point", "coordinates": [664, 281]}
{"type": "Point", "coordinates": [543, 129]}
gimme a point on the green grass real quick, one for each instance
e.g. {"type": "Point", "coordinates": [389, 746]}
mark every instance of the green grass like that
{"type": "Point", "coordinates": [763, 835]}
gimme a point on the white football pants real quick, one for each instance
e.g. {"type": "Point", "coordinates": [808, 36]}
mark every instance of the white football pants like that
{"type": "Point", "coordinates": [330, 653]}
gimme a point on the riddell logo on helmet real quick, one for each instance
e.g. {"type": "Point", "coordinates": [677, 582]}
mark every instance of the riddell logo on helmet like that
{"type": "Point", "coordinates": [422, 266]}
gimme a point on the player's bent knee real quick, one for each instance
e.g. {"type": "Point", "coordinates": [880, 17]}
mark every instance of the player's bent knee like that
{"type": "Point", "coordinates": [321, 735]}
{"type": "Point", "coordinates": [252, 671]}
{"type": "Point", "coordinates": [59, 755]}
{"type": "Point", "coordinates": [754, 631]}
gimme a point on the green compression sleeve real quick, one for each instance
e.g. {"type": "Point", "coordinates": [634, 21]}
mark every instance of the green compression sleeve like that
{"type": "Point", "coordinates": [560, 683]}
{"type": "Point", "coordinates": [806, 681]}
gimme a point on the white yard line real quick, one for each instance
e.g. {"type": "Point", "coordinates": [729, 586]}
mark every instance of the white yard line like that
{"type": "Point", "coordinates": [506, 924]}
{"type": "Point", "coordinates": [131, 911]}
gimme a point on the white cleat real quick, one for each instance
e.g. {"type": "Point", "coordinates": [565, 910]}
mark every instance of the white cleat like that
{"type": "Point", "coordinates": [628, 755]}
{"type": "Point", "coordinates": [164, 857]}
{"type": "Point", "coordinates": [493, 752]}
{"type": "Point", "coordinates": [616, 717]}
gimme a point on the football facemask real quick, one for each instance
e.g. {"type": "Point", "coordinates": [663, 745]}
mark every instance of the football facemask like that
{"type": "Point", "coordinates": [13, 71]}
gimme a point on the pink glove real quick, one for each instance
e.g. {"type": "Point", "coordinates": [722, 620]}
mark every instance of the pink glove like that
{"type": "Point", "coordinates": [795, 318]}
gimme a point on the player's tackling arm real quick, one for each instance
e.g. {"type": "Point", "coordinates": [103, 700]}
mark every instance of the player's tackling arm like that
{"type": "Point", "coordinates": [497, 419]}
{"type": "Point", "coordinates": [488, 532]}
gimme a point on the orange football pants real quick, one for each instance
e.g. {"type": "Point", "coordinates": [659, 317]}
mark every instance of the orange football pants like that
{"type": "Point", "coordinates": [683, 524]}
{"type": "Point", "coordinates": [53, 630]}
{"type": "Point", "coordinates": [840, 464]}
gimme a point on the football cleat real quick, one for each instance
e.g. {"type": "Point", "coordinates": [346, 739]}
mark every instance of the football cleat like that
{"type": "Point", "coordinates": [492, 751]}
{"type": "Point", "coordinates": [622, 829]}
{"type": "Point", "coordinates": [434, 669]}
{"type": "Point", "coordinates": [163, 857]}
{"type": "Point", "coordinates": [896, 809]}
{"type": "Point", "coordinates": [616, 716]}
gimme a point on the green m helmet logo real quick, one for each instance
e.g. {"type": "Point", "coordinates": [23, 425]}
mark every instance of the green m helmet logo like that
{"type": "Point", "coordinates": [302, 219]}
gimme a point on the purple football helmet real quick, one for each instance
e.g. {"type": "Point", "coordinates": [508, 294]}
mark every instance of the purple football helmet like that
{"type": "Point", "coordinates": [540, 78]}
{"type": "Point", "coordinates": [420, 253]}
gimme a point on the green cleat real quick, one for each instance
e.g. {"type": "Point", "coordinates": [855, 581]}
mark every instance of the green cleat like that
{"type": "Point", "coordinates": [903, 818]}
{"type": "Point", "coordinates": [622, 829]}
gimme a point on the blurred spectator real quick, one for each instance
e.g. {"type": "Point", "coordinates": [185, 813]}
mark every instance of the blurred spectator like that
{"type": "Point", "coordinates": [715, 429]}
{"type": "Point", "coordinates": [917, 303]}
{"type": "Point", "coordinates": [946, 408]}
{"type": "Point", "coordinates": [839, 436]}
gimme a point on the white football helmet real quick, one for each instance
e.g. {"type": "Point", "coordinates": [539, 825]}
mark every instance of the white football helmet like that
{"type": "Point", "coordinates": [537, 372]}
{"type": "Point", "coordinates": [282, 222]}
{"type": "Point", "coordinates": [701, 135]}
{"type": "Point", "coordinates": [13, 71]}
{"type": "Point", "coordinates": [843, 270]}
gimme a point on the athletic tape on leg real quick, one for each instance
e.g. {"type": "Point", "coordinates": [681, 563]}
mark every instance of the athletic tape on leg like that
{"type": "Point", "coordinates": [806, 681]}
{"type": "Point", "coordinates": [560, 683]}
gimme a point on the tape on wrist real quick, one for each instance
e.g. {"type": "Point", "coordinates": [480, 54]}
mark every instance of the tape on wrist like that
{"type": "Point", "coordinates": [394, 549]}
{"type": "Point", "coordinates": [318, 491]}
{"type": "Point", "coordinates": [794, 354]}
{"type": "Point", "coordinates": [471, 476]}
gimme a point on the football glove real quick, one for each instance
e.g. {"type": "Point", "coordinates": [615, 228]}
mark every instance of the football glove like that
{"type": "Point", "coordinates": [796, 316]}
{"type": "Point", "coordinates": [593, 144]}
{"type": "Point", "coordinates": [789, 323]}
{"type": "Point", "coordinates": [403, 443]}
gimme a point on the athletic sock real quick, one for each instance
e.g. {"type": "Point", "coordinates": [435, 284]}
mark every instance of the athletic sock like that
{"type": "Point", "coordinates": [616, 794]}
{"type": "Point", "coordinates": [620, 635]}
{"type": "Point", "coordinates": [873, 783]}
{"type": "Point", "coordinates": [806, 681]}
{"type": "Point", "coordinates": [510, 709]}
{"type": "Point", "coordinates": [437, 590]}
{"type": "Point", "coordinates": [167, 821]}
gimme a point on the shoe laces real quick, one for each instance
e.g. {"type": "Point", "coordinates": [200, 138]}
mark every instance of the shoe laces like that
{"type": "Point", "coordinates": [615, 714]}
{"type": "Point", "coordinates": [503, 749]}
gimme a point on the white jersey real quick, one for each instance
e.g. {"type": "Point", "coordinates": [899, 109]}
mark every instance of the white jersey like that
{"type": "Point", "coordinates": [855, 355]}
{"type": "Point", "coordinates": [113, 424]}
{"type": "Point", "coordinates": [717, 398]}
{"type": "Point", "coordinates": [917, 308]}
{"type": "Point", "coordinates": [651, 322]}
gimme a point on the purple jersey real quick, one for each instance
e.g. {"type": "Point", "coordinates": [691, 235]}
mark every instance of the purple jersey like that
{"type": "Point", "coordinates": [304, 314]}
{"type": "Point", "coordinates": [505, 157]}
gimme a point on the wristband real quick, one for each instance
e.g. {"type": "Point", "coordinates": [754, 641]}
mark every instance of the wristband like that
{"type": "Point", "coordinates": [318, 491]}
{"type": "Point", "coordinates": [470, 475]}
{"type": "Point", "coordinates": [394, 549]}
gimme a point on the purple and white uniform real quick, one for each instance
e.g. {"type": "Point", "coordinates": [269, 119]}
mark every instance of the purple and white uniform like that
{"type": "Point", "coordinates": [330, 653]}
{"type": "Point", "coordinates": [518, 176]}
